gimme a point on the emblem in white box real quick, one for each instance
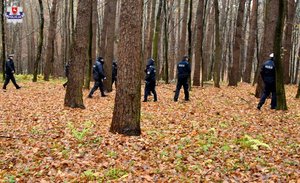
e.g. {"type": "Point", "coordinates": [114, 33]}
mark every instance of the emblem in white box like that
{"type": "Point", "coordinates": [14, 14]}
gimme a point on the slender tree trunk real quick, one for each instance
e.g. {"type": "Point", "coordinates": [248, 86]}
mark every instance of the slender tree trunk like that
{"type": "Point", "coordinates": [218, 47]}
{"type": "Point", "coordinates": [199, 41]}
{"type": "Point", "coordinates": [190, 43]}
{"type": "Point", "coordinates": [32, 59]}
{"type": "Point", "coordinates": [74, 95]}
{"type": "Point", "coordinates": [280, 91]}
{"type": "Point", "coordinates": [298, 91]}
{"type": "Point", "coordinates": [166, 44]}
{"type": "Point", "coordinates": [40, 43]}
{"type": "Point", "coordinates": [155, 44]}
{"type": "Point", "coordinates": [3, 55]}
{"type": "Point", "coordinates": [127, 110]}
{"type": "Point", "coordinates": [234, 76]}
{"type": "Point", "coordinates": [291, 9]}
{"type": "Point", "coordinates": [251, 44]}
{"type": "Point", "coordinates": [109, 53]}
{"type": "Point", "coordinates": [182, 45]}
{"type": "Point", "coordinates": [50, 46]}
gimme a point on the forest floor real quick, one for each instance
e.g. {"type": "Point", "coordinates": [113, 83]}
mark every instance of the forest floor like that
{"type": "Point", "coordinates": [219, 136]}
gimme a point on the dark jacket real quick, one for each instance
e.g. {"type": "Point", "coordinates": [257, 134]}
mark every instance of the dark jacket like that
{"type": "Point", "coordinates": [10, 67]}
{"type": "Point", "coordinates": [150, 71]}
{"type": "Point", "coordinates": [67, 70]}
{"type": "Point", "coordinates": [268, 71]}
{"type": "Point", "coordinates": [98, 71]}
{"type": "Point", "coordinates": [183, 69]}
{"type": "Point", "coordinates": [114, 70]}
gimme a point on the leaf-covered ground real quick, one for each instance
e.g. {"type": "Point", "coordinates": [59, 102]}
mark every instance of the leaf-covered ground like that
{"type": "Point", "coordinates": [219, 136]}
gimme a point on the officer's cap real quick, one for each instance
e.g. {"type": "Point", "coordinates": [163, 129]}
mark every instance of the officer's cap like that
{"type": "Point", "coordinates": [272, 55]}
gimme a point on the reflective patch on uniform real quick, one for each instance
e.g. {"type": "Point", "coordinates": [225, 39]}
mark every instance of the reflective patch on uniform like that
{"type": "Point", "coordinates": [181, 65]}
{"type": "Point", "coordinates": [94, 66]}
{"type": "Point", "coordinates": [268, 66]}
{"type": "Point", "coordinates": [148, 72]}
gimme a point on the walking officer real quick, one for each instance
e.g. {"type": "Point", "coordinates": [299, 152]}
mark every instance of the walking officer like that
{"type": "Point", "coordinates": [99, 76]}
{"type": "Point", "coordinates": [9, 72]}
{"type": "Point", "coordinates": [183, 74]}
{"type": "Point", "coordinates": [150, 80]}
{"type": "Point", "coordinates": [268, 75]}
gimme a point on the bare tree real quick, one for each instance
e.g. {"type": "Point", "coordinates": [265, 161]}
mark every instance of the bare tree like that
{"type": "Point", "coordinates": [73, 97]}
{"type": "Point", "coordinates": [217, 47]}
{"type": "Point", "coordinates": [127, 110]}
{"type": "Point", "coordinates": [3, 55]}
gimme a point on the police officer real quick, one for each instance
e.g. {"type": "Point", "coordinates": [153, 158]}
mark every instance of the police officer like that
{"type": "Point", "coordinates": [268, 75]}
{"type": "Point", "coordinates": [67, 70]}
{"type": "Point", "coordinates": [114, 73]}
{"type": "Point", "coordinates": [99, 76]}
{"type": "Point", "coordinates": [9, 72]}
{"type": "Point", "coordinates": [150, 80]}
{"type": "Point", "coordinates": [183, 74]}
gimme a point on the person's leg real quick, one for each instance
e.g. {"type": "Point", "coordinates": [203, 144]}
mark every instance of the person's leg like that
{"type": "Point", "coordinates": [146, 92]}
{"type": "Point", "coordinates": [186, 90]}
{"type": "Point", "coordinates": [264, 96]}
{"type": "Point", "coordinates": [274, 97]}
{"type": "Point", "coordinates": [101, 87]}
{"type": "Point", "coordinates": [178, 87]}
{"type": "Point", "coordinates": [95, 87]}
{"type": "Point", "coordinates": [154, 91]}
{"type": "Point", "coordinates": [7, 79]}
{"type": "Point", "coordinates": [14, 82]}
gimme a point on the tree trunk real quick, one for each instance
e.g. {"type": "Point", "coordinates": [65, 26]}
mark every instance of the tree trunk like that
{"type": "Point", "coordinates": [190, 43]}
{"type": "Point", "coordinates": [73, 97]}
{"type": "Point", "coordinates": [50, 46]}
{"type": "Point", "coordinates": [3, 55]}
{"type": "Point", "coordinates": [166, 44]}
{"type": "Point", "coordinates": [127, 110]}
{"type": "Point", "coordinates": [291, 9]}
{"type": "Point", "coordinates": [218, 47]}
{"type": "Point", "coordinates": [155, 44]}
{"type": "Point", "coordinates": [199, 41]}
{"type": "Point", "coordinates": [40, 43]}
{"type": "Point", "coordinates": [298, 91]}
{"type": "Point", "coordinates": [109, 53]}
{"type": "Point", "coordinates": [251, 44]}
{"type": "Point", "coordinates": [182, 44]}
{"type": "Point", "coordinates": [31, 49]}
{"type": "Point", "coordinates": [234, 76]}
{"type": "Point", "coordinates": [280, 91]}
{"type": "Point", "coordinates": [268, 39]}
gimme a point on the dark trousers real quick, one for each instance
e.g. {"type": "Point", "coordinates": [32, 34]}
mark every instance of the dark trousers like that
{"type": "Point", "coordinates": [150, 87]}
{"type": "Point", "coordinates": [13, 80]}
{"type": "Point", "coordinates": [98, 84]}
{"type": "Point", "coordinates": [270, 88]}
{"type": "Point", "coordinates": [182, 82]}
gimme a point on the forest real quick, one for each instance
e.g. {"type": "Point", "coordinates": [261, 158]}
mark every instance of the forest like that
{"type": "Point", "coordinates": [53, 130]}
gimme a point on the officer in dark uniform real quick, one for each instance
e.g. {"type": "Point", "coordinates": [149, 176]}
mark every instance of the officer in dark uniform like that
{"type": "Point", "coordinates": [9, 72]}
{"type": "Point", "coordinates": [268, 75]}
{"type": "Point", "coordinates": [183, 74]}
{"type": "Point", "coordinates": [150, 80]}
{"type": "Point", "coordinates": [99, 76]}
{"type": "Point", "coordinates": [114, 73]}
{"type": "Point", "coordinates": [67, 72]}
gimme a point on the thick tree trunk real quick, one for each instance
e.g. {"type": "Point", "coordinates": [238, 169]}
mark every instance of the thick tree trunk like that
{"type": "Point", "coordinates": [50, 46]}
{"type": "Point", "coordinates": [291, 9]}
{"type": "Point", "coordinates": [218, 47]}
{"type": "Point", "coordinates": [251, 44]}
{"type": "Point", "coordinates": [73, 97]}
{"type": "Point", "coordinates": [199, 41]}
{"type": "Point", "coordinates": [127, 110]}
{"type": "Point", "coordinates": [298, 91]}
{"type": "Point", "coordinates": [268, 39]}
{"type": "Point", "coordinates": [166, 44]}
{"type": "Point", "coordinates": [182, 44]}
{"type": "Point", "coordinates": [109, 53]}
{"type": "Point", "coordinates": [40, 42]}
{"type": "Point", "coordinates": [280, 91]}
{"type": "Point", "coordinates": [234, 76]}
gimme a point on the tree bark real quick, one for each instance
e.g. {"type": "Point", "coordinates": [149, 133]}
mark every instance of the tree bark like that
{"type": "Point", "coordinates": [166, 44]}
{"type": "Point", "coordinates": [127, 110]}
{"type": "Point", "coordinates": [109, 53]}
{"type": "Point", "coordinates": [199, 41]}
{"type": "Point", "coordinates": [3, 55]}
{"type": "Point", "coordinates": [73, 97]}
{"type": "Point", "coordinates": [251, 44]}
{"type": "Point", "coordinates": [50, 46]}
{"type": "Point", "coordinates": [218, 47]}
{"type": "Point", "coordinates": [234, 75]}
{"type": "Point", "coordinates": [280, 91]}
{"type": "Point", "coordinates": [40, 42]}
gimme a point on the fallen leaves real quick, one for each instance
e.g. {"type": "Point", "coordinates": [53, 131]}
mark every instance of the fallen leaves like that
{"type": "Point", "coordinates": [217, 136]}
